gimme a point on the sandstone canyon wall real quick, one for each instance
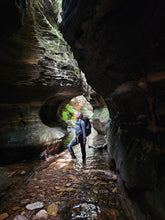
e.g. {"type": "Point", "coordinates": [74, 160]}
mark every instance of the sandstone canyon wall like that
{"type": "Point", "coordinates": [37, 74]}
{"type": "Point", "coordinates": [120, 45]}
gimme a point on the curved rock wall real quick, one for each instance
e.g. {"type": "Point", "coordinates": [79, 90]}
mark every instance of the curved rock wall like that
{"type": "Point", "coordinates": [37, 74]}
{"type": "Point", "coordinates": [119, 45]}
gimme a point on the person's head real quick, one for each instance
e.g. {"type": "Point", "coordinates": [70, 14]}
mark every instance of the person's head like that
{"type": "Point", "coordinates": [79, 115]}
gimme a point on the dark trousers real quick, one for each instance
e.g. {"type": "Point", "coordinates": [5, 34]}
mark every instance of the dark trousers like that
{"type": "Point", "coordinates": [73, 143]}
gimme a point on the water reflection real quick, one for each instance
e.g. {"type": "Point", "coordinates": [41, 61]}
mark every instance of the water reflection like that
{"type": "Point", "coordinates": [79, 190]}
{"type": "Point", "coordinates": [85, 211]}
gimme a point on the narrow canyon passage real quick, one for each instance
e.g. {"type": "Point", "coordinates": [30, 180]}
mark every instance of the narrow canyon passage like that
{"type": "Point", "coordinates": [67, 189]}
{"type": "Point", "coordinates": [112, 53]}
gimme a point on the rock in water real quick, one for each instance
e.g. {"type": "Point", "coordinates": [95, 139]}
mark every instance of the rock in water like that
{"type": "Point", "coordinates": [3, 216]}
{"type": "Point", "coordinates": [42, 214]}
{"type": "Point", "coordinates": [36, 205]}
{"type": "Point", "coordinates": [20, 217]}
{"type": "Point", "coordinates": [52, 209]}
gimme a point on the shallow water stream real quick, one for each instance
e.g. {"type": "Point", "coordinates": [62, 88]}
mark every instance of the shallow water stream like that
{"type": "Point", "coordinates": [63, 189]}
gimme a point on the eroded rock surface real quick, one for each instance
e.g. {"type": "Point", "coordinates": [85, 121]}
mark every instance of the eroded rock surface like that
{"type": "Point", "coordinates": [120, 47]}
{"type": "Point", "coordinates": [37, 75]}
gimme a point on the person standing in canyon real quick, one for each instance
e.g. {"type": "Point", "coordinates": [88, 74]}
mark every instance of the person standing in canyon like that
{"type": "Point", "coordinates": [79, 137]}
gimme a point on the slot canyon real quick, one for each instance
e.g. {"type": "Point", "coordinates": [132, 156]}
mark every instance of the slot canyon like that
{"type": "Point", "coordinates": [120, 47]}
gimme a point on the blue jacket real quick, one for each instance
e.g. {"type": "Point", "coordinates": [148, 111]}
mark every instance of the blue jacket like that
{"type": "Point", "coordinates": [80, 129]}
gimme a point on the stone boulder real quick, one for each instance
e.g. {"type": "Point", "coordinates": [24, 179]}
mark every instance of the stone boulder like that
{"type": "Point", "coordinates": [99, 119]}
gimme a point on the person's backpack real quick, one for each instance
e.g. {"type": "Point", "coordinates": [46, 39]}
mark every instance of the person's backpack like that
{"type": "Point", "coordinates": [87, 125]}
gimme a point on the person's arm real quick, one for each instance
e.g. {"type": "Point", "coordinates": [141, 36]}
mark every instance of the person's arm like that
{"type": "Point", "coordinates": [83, 131]}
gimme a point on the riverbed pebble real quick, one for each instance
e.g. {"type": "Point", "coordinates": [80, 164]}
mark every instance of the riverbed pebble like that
{"type": "Point", "coordinates": [36, 205]}
{"type": "Point", "coordinates": [80, 190]}
{"type": "Point", "coordinates": [3, 216]}
{"type": "Point", "coordinates": [52, 209]}
{"type": "Point", "coordinates": [42, 214]}
{"type": "Point", "coordinates": [20, 217]}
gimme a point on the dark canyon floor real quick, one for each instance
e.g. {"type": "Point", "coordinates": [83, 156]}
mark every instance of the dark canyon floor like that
{"type": "Point", "coordinates": [61, 188]}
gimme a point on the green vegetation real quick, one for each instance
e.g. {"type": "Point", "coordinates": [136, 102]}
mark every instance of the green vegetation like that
{"type": "Point", "coordinates": [46, 21]}
{"type": "Point", "coordinates": [59, 8]}
{"type": "Point", "coordinates": [68, 113]}
{"type": "Point", "coordinates": [78, 103]}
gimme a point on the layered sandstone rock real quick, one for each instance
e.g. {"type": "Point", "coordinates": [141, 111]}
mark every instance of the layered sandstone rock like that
{"type": "Point", "coordinates": [120, 47]}
{"type": "Point", "coordinates": [37, 75]}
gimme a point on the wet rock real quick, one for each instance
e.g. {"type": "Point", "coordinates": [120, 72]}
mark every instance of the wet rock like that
{"type": "Point", "coordinates": [66, 213]}
{"type": "Point", "coordinates": [3, 216]}
{"type": "Point", "coordinates": [70, 189]}
{"type": "Point", "coordinates": [102, 174]}
{"type": "Point", "coordinates": [23, 172]}
{"type": "Point", "coordinates": [110, 214]}
{"type": "Point", "coordinates": [99, 120]}
{"type": "Point", "coordinates": [85, 211]}
{"type": "Point", "coordinates": [20, 217]}
{"type": "Point", "coordinates": [67, 167]}
{"type": "Point", "coordinates": [75, 186]}
{"type": "Point", "coordinates": [42, 214]}
{"type": "Point", "coordinates": [23, 213]}
{"type": "Point", "coordinates": [114, 190]}
{"type": "Point", "coordinates": [72, 177]}
{"type": "Point", "coordinates": [52, 209]}
{"type": "Point", "coordinates": [57, 187]}
{"type": "Point", "coordinates": [36, 205]}
{"type": "Point", "coordinates": [15, 208]}
{"type": "Point", "coordinates": [60, 190]}
{"type": "Point", "coordinates": [92, 198]}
